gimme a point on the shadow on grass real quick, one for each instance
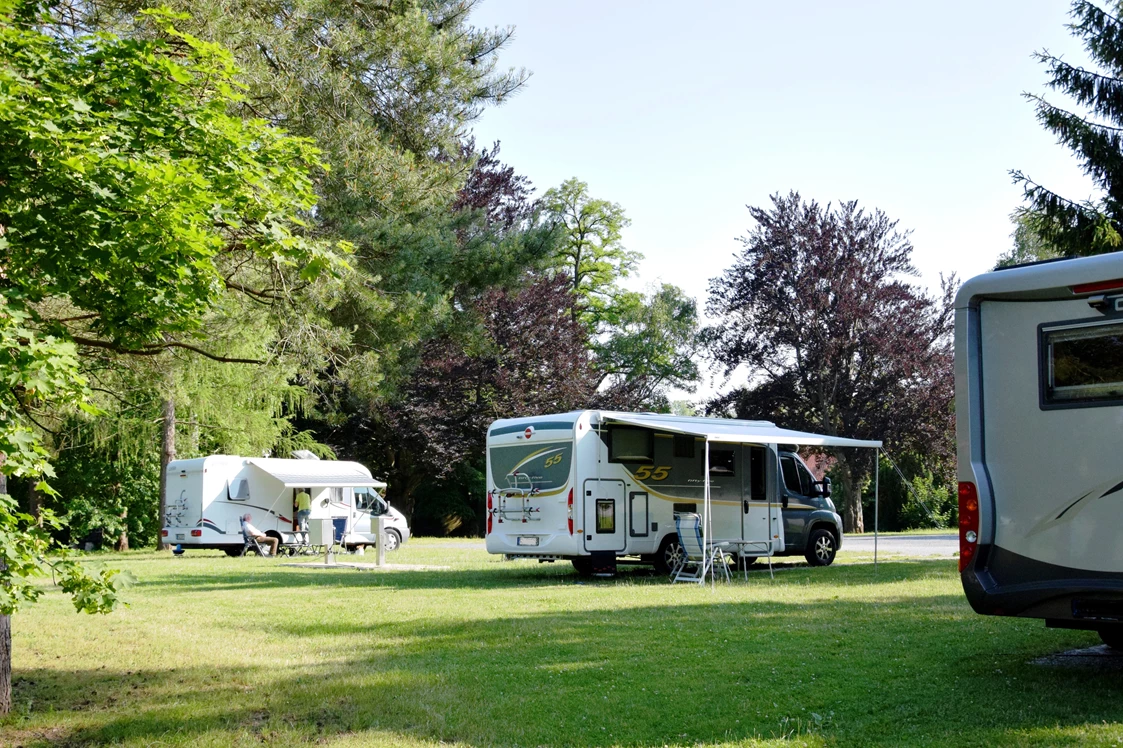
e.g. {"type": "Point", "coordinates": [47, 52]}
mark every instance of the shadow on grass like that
{"type": "Point", "coordinates": [265, 574]}
{"type": "Point", "coordinates": [903, 669]}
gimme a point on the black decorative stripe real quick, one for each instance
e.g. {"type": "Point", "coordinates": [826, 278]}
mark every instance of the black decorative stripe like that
{"type": "Point", "coordinates": [1112, 490]}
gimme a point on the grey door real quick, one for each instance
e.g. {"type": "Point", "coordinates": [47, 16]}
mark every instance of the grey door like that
{"type": "Point", "coordinates": [798, 490]}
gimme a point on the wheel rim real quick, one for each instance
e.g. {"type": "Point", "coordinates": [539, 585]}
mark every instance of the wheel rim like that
{"type": "Point", "coordinates": [673, 555]}
{"type": "Point", "coordinates": [391, 541]}
{"type": "Point", "coordinates": [824, 548]}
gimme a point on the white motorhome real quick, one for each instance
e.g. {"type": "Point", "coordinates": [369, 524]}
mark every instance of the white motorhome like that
{"type": "Point", "coordinates": [207, 497]}
{"type": "Point", "coordinates": [1039, 431]}
{"type": "Point", "coordinates": [594, 486]}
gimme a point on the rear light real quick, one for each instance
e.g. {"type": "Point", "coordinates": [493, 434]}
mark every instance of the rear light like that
{"type": "Point", "coordinates": [569, 510]}
{"type": "Point", "coordinates": [968, 523]}
{"type": "Point", "coordinates": [489, 514]}
{"type": "Point", "coordinates": [1108, 285]}
{"type": "Point", "coordinates": [163, 533]}
{"type": "Point", "coordinates": [196, 533]}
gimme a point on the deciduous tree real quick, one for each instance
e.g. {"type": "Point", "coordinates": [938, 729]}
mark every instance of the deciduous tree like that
{"type": "Point", "coordinates": [817, 308]}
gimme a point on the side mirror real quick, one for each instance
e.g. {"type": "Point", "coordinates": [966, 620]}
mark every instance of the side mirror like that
{"type": "Point", "coordinates": [825, 487]}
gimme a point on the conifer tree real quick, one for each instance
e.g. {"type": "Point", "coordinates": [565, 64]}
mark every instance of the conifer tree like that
{"type": "Point", "coordinates": [1094, 134]}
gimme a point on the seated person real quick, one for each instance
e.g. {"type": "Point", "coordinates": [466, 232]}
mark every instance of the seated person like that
{"type": "Point", "coordinates": [252, 532]}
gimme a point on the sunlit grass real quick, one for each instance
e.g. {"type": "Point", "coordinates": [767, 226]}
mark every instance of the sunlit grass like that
{"type": "Point", "coordinates": [218, 651]}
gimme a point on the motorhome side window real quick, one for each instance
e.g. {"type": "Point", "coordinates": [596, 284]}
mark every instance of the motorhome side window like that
{"type": "Point", "coordinates": [1082, 364]}
{"type": "Point", "coordinates": [631, 445]}
{"type": "Point", "coordinates": [757, 474]}
{"type": "Point", "coordinates": [723, 462]}
{"type": "Point", "coordinates": [684, 446]}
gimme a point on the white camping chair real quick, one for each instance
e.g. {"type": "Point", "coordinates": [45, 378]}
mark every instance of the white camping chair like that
{"type": "Point", "coordinates": [697, 558]}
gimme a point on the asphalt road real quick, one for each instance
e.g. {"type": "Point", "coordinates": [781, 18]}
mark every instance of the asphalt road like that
{"type": "Point", "coordinates": [904, 545]}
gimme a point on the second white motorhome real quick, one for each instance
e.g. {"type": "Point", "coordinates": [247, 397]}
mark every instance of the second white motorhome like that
{"type": "Point", "coordinates": [1039, 431]}
{"type": "Point", "coordinates": [207, 497]}
{"type": "Point", "coordinates": [592, 487]}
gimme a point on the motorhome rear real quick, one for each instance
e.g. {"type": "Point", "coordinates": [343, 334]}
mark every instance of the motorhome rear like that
{"type": "Point", "coordinates": [1039, 407]}
{"type": "Point", "coordinates": [207, 496]}
{"type": "Point", "coordinates": [596, 486]}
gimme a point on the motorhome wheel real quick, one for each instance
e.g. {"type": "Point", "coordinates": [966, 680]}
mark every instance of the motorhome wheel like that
{"type": "Point", "coordinates": [583, 565]}
{"type": "Point", "coordinates": [393, 540]}
{"type": "Point", "coordinates": [668, 555]}
{"type": "Point", "coordinates": [821, 548]}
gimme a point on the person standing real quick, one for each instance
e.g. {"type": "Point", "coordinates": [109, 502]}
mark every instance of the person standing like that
{"type": "Point", "coordinates": [303, 509]}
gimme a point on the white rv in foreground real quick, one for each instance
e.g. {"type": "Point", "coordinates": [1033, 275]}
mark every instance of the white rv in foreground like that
{"type": "Point", "coordinates": [594, 486]}
{"type": "Point", "coordinates": [207, 497]}
{"type": "Point", "coordinates": [1039, 432]}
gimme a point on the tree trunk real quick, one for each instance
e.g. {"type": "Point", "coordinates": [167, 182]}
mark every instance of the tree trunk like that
{"type": "Point", "coordinates": [123, 540]}
{"type": "Point", "coordinates": [34, 500]}
{"type": "Point", "coordinates": [168, 454]}
{"type": "Point", "coordinates": [5, 643]}
{"type": "Point", "coordinates": [852, 518]}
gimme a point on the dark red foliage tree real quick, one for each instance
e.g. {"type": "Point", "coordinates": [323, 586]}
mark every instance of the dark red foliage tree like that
{"type": "Point", "coordinates": [495, 188]}
{"type": "Point", "coordinates": [528, 357]}
{"type": "Point", "coordinates": [818, 309]}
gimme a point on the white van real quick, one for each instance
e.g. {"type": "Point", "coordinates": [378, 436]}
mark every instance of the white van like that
{"type": "Point", "coordinates": [207, 497]}
{"type": "Point", "coordinates": [1039, 432]}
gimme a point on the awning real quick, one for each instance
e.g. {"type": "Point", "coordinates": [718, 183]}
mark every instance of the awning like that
{"type": "Point", "coordinates": [317, 473]}
{"type": "Point", "coordinates": [732, 431]}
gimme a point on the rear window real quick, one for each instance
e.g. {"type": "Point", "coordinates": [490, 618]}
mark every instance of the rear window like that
{"type": "Point", "coordinates": [1082, 365]}
{"type": "Point", "coordinates": [540, 466]}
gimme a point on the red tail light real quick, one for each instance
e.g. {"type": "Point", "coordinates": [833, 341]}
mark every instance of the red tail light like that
{"type": "Point", "coordinates": [489, 515]}
{"type": "Point", "coordinates": [163, 533]}
{"type": "Point", "coordinates": [569, 509]}
{"type": "Point", "coordinates": [196, 533]}
{"type": "Point", "coordinates": [968, 523]}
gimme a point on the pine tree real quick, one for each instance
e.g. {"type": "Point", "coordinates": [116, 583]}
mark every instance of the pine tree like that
{"type": "Point", "coordinates": [1095, 136]}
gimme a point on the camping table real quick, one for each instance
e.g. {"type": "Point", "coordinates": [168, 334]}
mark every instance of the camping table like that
{"type": "Point", "coordinates": [743, 545]}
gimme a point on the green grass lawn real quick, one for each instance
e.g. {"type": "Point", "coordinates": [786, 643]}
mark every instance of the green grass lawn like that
{"type": "Point", "coordinates": [218, 651]}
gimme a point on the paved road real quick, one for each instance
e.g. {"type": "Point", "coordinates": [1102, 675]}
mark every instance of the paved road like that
{"type": "Point", "coordinates": [904, 545]}
{"type": "Point", "coordinates": [893, 545]}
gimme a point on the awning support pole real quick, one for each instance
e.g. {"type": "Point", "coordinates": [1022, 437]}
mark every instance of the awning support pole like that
{"type": "Point", "coordinates": [876, 502]}
{"type": "Point", "coordinates": [706, 509]}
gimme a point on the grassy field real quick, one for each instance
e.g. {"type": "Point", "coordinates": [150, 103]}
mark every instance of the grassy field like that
{"type": "Point", "coordinates": [218, 651]}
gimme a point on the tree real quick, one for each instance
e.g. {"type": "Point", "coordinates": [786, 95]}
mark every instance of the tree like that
{"type": "Point", "coordinates": [133, 201]}
{"type": "Point", "coordinates": [1028, 245]}
{"type": "Point", "coordinates": [529, 357]}
{"type": "Point", "coordinates": [652, 347]}
{"type": "Point", "coordinates": [1095, 136]}
{"type": "Point", "coordinates": [591, 253]}
{"type": "Point", "coordinates": [817, 309]}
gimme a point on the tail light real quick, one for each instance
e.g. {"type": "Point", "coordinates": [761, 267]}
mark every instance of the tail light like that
{"type": "Point", "coordinates": [489, 514]}
{"type": "Point", "coordinates": [968, 523]}
{"type": "Point", "coordinates": [569, 510]}
{"type": "Point", "coordinates": [196, 533]}
{"type": "Point", "coordinates": [163, 533]}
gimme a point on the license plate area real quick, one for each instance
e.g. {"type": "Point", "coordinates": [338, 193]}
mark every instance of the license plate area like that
{"type": "Point", "coordinates": [179, 536]}
{"type": "Point", "coordinates": [526, 540]}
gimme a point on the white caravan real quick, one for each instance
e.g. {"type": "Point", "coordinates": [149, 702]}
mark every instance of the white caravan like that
{"type": "Point", "coordinates": [1039, 432]}
{"type": "Point", "coordinates": [593, 486]}
{"type": "Point", "coordinates": [207, 496]}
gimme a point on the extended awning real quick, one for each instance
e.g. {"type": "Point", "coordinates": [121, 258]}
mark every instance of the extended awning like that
{"type": "Point", "coordinates": [317, 473]}
{"type": "Point", "coordinates": [731, 431]}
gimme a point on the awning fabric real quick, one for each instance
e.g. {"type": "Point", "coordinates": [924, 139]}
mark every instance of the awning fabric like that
{"type": "Point", "coordinates": [317, 473]}
{"type": "Point", "coordinates": [732, 431]}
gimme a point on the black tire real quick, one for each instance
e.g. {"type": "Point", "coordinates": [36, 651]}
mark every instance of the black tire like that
{"type": "Point", "coordinates": [233, 551]}
{"type": "Point", "coordinates": [740, 562]}
{"type": "Point", "coordinates": [393, 540]}
{"type": "Point", "coordinates": [669, 552]}
{"type": "Point", "coordinates": [583, 565]}
{"type": "Point", "coordinates": [1113, 637]}
{"type": "Point", "coordinates": [821, 547]}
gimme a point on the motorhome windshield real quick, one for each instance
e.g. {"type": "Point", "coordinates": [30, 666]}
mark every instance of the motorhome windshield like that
{"type": "Point", "coordinates": [531, 466]}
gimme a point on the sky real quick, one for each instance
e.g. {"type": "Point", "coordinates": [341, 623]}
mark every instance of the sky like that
{"type": "Point", "coordinates": [684, 113]}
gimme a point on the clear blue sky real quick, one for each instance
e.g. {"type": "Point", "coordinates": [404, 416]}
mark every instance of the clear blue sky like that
{"type": "Point", "coordinates": [685, 112]}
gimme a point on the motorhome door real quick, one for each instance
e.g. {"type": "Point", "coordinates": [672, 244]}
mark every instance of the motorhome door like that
{"type": "Point", "coordinates": [606, 521]}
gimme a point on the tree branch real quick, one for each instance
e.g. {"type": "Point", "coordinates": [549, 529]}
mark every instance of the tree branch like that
{"type": "Point", "coordinates": [158, 348]}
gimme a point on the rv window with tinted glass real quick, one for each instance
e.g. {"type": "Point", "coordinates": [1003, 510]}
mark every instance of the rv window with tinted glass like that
{"type": "Point", "coordinates": [722, 462]}
{"type": "Point", "coordinates": [1082, 364]}
{"type": "Point", "coordinates": [684, 446]}
{"type": "Point", "coordinates": [756, 474]}
{"type": "Point", "coordinates": [631, 445]}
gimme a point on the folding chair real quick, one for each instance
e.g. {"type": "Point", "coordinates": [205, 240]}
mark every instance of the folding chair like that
{"type": "Point", "coordinates": [249, 543]}
{"type": "Point", "coordinates": [697, 558]}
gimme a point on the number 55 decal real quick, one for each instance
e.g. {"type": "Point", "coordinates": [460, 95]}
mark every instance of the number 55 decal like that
{"type": "Point", "coordinates": [646, 472]}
